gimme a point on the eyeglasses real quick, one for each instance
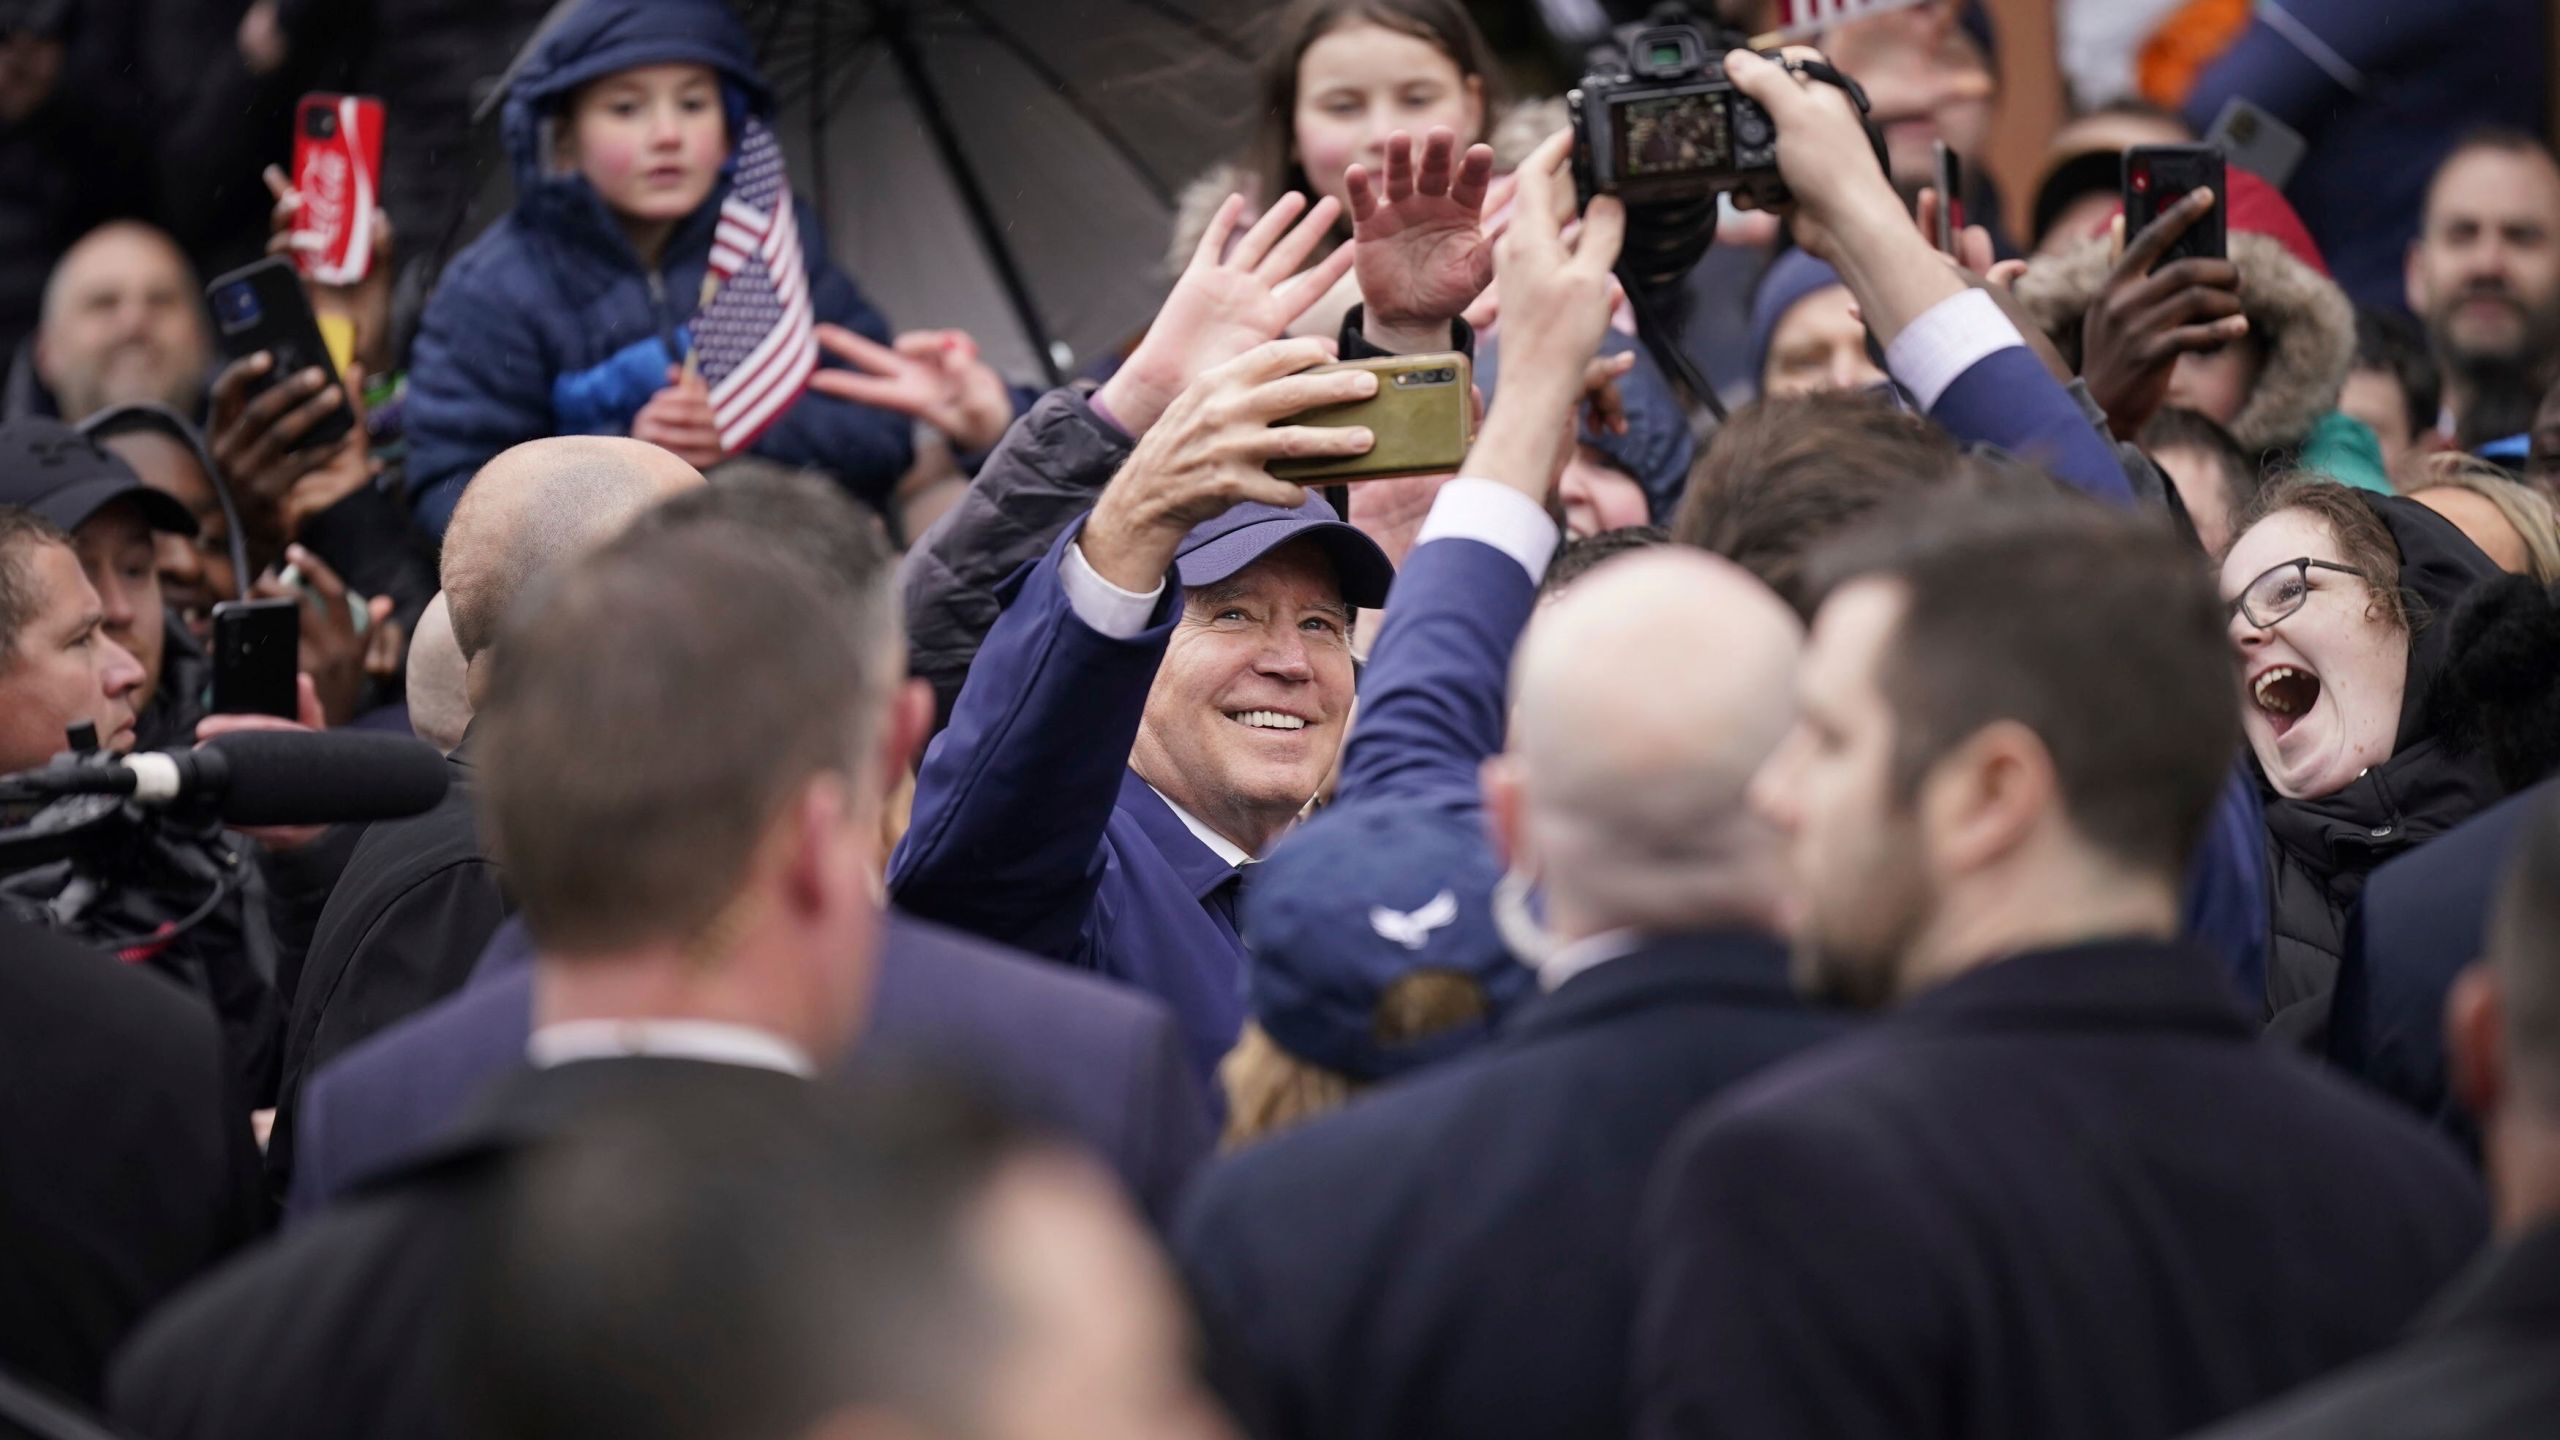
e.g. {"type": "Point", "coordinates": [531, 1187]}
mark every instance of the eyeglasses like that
{"type": "Point", "coordinates": [2280, 591]}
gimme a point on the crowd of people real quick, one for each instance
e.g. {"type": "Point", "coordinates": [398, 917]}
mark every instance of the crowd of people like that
{"type": "Point", "coordinates": [2008, 888]}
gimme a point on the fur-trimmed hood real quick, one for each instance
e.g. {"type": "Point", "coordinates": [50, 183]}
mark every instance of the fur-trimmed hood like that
{"type": "Point", "coordinates": [2303, 319]}
{"type": "Point", "coordinates": [1514, 133]}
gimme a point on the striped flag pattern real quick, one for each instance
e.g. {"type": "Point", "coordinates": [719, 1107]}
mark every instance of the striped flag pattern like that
{"type": "Point", "coordinates": [753, 337]}
{"type": "Point", "coordinates": [1800, 19]}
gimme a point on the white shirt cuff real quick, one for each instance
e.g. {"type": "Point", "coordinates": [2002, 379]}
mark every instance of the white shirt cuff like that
{"type": "Point", "coordinates": [1948, 339]}
{"type": "Point", "coordinates": [1105, 608]}
{"type": "Point", "coordinates": [1494, 514]}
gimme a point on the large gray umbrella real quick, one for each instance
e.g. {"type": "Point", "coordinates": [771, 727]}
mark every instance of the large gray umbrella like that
{"type": "Point", "coordinates": [1007, 167]}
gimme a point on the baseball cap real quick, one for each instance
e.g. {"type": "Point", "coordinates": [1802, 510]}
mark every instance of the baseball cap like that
{"type": "Point", "coordinates": [66, 477]}
{"type": "Point", "coordinates": [1217, 549]}
{"type": "Point", "coordinates": [1357, 899]}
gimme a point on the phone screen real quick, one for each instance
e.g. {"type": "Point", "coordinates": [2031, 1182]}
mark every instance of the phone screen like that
{"type": "Point", "coordinates": [256, 654]}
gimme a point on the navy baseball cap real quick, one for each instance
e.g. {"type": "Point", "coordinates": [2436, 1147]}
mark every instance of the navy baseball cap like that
{"type": "Point", "coordinates": [1353, 901]}
{"type": "Point", "coordinates": [1217, 549]}
{"type": "Point", "coordinates": [66, 477]}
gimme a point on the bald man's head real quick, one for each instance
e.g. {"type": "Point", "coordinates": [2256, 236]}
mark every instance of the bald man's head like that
{"type": "Point", "coordinates": [123, 323]}
{"type": "Point", "coordinates": [537, 506]}
{"type": "Point", "coordinates": [1644, 698]}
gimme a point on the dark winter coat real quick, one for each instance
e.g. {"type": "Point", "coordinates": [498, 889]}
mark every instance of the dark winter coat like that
{"type": "Point", "coordinates": [2321, 850]}
{"type": "Point", "coordinates": [550, 324]}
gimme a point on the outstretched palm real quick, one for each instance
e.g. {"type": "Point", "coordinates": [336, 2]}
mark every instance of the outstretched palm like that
{"type": "Point", "coordinates": [1420, 248]}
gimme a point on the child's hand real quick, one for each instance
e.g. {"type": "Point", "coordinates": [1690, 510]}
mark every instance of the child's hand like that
{"type": "Point", "coordinates": [678, 418]}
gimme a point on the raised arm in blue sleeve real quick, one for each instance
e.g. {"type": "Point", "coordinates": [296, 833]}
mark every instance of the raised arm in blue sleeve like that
{"type": "Point", "coordinates": [2007, 400]}
{"type": "Point", "coordinates": [1011, 806]}
{"type": "Point", "coordinates": [1432, 698]}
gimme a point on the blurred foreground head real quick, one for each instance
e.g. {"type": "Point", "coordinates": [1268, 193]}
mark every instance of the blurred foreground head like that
{"type": "Point", "coordinates": [687, 744]}
{"type": "Point", "coordinates": [807, 1266]}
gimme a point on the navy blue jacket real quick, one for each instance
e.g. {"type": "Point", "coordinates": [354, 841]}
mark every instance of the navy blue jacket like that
{"type": "Point", "coordinates": [1029, 827]}
{"type": "Point", "coordinates": [2422, 918]}
{"type": "Point", "coordinates": [2382, 92]}
{"type": "Point", "coordinates": [550, 324]}
{"type": "Point", "coordinates": [2069, 1194]}
{"type": "Point", "coordinates": [1091, 1061]}
{"type": "Point", "coordinates": [1448, 1256]}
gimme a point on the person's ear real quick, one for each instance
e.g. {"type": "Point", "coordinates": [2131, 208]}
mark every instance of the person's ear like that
{"type": "Point", "coordinates": [1985, 797]}
{"type": "Point", "coordinates": [2413, 285]}
{"type": "Point", "coordinates": [903, 737]}
{"type": "Point", "coordinates": [2475, 1045]}
{"type": "Point", "coordinates": [1503, 805]}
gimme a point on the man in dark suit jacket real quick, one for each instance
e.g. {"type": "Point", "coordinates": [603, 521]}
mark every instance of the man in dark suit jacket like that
{"type": "Point", "coordinates": [2062, 1192]}
{"type": "Point", "coordinates": [712, 916]}
{"type": "Point", "coordinates": [1448, 1257]}
{"type": "Point", "coordinates": [420, 897]}
{"type": "Point", "coordinates": [129, 1168]}
{"type": "Point", "coordinates": [2421, 919]}
{"type": "Point", "coordinates": [2484, 1363]}
{"type": "Point", "coordinates": [1096, 1062]}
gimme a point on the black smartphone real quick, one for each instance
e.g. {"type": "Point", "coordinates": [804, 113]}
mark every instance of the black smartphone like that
{"type": "Point", "coordinates": [2157, 177]}
{"type": "Point", "coordinates": [262, 307]}
{"type": "Point", "coordinates": [257, 651]}
{"type": "Point", "coordinates": [2257, 142]}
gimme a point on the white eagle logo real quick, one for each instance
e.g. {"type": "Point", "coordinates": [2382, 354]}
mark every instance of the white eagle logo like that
{"type": "Point", "coordinates": [1412, 929]}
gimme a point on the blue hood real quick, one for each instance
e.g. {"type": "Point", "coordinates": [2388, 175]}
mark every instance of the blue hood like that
{"type": "Point", "coordinates": [601, 37]}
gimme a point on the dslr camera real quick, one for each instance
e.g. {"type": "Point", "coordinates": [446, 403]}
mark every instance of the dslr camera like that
{"type": "Point", "coordinates": [1659, 122]}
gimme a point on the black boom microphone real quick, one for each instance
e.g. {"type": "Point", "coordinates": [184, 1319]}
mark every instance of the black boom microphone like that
{"type": "Point", "coordinates": [267, 777]}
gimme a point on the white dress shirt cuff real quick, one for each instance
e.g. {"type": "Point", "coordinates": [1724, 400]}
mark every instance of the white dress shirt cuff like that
{"type": "Point", "coordinates": [1948, 339]}
{"type": "Point", "coordinates": [1105, 608]}
{"type": "Point", "coordinates": [1494, 514]}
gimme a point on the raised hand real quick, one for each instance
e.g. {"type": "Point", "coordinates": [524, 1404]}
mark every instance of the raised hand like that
{"type": "Point", "coordinates": [2144, 319]}
{"type": "Point", "coordinates": [930, 375]}
{"type": "Point", "coordinates": [1206, 455]}
{"type": "Point", "coordinates": [1556, 299]}
{"type": "Point", "coordinates": [366, 304]}
{"type": "Point", "coordinates": [678, 418]}
{"type": "Point", "coordinates": [254, 439]}
{"type": "Point", "coordinates": [1421, 251]}
{"type": "Point", "coordinates": [1230, 298]}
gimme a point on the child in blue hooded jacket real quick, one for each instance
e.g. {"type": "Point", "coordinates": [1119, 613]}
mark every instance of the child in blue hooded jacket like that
{"type": "Point", "coordinates": [569, 316]}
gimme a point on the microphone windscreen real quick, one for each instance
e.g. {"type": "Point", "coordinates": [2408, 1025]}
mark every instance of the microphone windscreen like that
{"type": "Point", "coordinates": [298, 777]}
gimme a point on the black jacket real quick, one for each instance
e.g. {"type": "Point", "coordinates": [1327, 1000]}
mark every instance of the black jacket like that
{"type": "Point", "coordinates": [1048, 469]}
{"type": "Point", "coordinates": [1448, 1257]}
{"type": "Point", "coordinates": [2064, 1196]}
{"type": "Point", "coordinates": [332, 1330]}
{"type": "Point", "coordinates": [409, 918]}
{"type": "Point", "coordinates": [2321, 850]}
{"type": "Point", "coordinates": [2484, 1364]}
{"type": "Point", "coordinates": [128, 1166]}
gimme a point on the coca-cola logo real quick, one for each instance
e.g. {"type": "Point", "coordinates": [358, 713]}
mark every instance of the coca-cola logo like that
{"type": "Point", "coordinates": [325, 198]}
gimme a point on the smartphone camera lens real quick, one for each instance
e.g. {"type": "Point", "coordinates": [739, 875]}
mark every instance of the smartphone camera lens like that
{"type": "Point", "coordinates": [238, 306]}
{"type": "Point", "coordinates": [321, 124]}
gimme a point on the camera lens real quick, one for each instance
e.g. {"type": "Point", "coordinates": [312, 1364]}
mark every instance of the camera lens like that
{"type": "Point", "coordinates": [321, 124]}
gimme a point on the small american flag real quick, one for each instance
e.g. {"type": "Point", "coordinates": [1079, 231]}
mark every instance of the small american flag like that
{"type": "Point", "coordinates": [753, 335]}
{"type": "Point", "coordinates": [1803, 19]}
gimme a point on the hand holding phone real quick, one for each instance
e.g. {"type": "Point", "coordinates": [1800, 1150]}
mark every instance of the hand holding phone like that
{"type": "Point", "coordinates": [1423, 416]}
{"type": "Point", "coordinates": [2157, 177]}
{"type": "Point", "coordinates": [261, 307]}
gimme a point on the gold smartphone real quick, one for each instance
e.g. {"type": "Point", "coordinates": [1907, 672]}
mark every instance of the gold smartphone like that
{"type": "Point", "coordinates": [1423, 418]}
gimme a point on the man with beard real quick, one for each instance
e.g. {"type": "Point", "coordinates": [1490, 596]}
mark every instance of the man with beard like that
{"type": "Point", "coordinates": [2485, 277]}
{"type": "Point", "coordinates": [122, 321]}
{"type": "Point", "coordinates": [2062, 1191]}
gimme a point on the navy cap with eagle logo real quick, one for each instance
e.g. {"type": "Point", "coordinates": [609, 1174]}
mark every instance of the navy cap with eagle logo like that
{"type": "Point", "coordinates": [1357, 899]}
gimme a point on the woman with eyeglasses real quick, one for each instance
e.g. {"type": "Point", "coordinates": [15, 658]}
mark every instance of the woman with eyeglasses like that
{"type": "Point", "coordinates": [2335, 595]}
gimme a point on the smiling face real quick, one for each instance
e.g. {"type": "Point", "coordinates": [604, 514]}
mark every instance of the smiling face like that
{"type": "Point", "coordinates": [2321, 688]}
{"type": "Point", "coordinates": [650, 140]}
{"type": "Point", "coordinates": [123, 322]}
{"type": "Point", "coordinates": [61, 668]}
{"type": "Point", "coordinates": [1248, 707]}
{"type": "Point", "coordinates": [1360, 83]}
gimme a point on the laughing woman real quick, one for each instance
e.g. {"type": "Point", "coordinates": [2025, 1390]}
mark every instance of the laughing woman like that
{"type": "Point", "coordinates": [2332, 594]}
